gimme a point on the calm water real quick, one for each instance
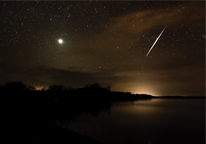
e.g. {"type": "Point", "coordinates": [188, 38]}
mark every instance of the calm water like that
{"type": "Point", "coordinates": [155, 121]}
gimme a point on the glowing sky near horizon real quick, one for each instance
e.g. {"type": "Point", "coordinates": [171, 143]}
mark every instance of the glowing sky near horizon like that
{"type": "Point", "coordinates": [79, 43]}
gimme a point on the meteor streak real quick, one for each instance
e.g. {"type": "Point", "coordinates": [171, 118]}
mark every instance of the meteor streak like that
{"type": "Point", "coordinates": [156, 41]}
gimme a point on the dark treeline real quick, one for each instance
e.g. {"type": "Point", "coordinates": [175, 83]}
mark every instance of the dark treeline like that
{"type": "Point", "coordinates": [29, 116]}
{"type": "Point", "coordinates": [89, 92]}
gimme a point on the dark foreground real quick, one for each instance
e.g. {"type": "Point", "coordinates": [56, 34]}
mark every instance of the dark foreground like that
{"type": "Point", "coordinates": [30, 116]}
{"type": "Point", "coordinates": [47, 133]}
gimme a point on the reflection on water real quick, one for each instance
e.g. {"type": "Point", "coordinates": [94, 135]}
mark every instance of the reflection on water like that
{"type": "Point", "coordinates": [155, 121]}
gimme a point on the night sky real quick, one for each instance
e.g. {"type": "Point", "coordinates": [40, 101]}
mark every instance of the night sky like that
{"type": "Point", "coordinates": [79, 43]}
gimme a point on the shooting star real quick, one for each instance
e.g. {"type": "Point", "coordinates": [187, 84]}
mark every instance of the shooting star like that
{"type": "Point", "coordinates": [156, 41]}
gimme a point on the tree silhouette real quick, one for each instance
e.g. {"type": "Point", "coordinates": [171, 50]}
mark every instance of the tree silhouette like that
{"type": "Point", "coordinates": [108, 88]}
{"type": "Point", "coordinates": [93, 86]}
{"type": "Point", "coordinates": [56, 88]}
{"type": "Point", "coordinates": [31, 87]}
{"type": "Point", "coordinates": [15, 86]}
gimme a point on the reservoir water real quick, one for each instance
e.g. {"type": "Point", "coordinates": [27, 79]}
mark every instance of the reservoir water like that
{"type": "Point", "coordinates": [154, 121]}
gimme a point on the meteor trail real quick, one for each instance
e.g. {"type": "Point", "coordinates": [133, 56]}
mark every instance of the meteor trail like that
{"type": "Point", "coordinates": [156, 41]}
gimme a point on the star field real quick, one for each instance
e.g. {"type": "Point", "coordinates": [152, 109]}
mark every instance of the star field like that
{"type": "Point", "coordinates": [78, 43]}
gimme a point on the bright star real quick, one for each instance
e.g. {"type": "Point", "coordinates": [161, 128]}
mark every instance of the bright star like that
{"type": "Point", "coordinates": [60, 41]}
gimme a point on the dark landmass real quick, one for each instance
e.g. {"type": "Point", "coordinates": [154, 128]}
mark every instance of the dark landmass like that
{"type": "Point", "coordinates": [180, 97]}
{"type": "Point", "coordinates": [29, 116]}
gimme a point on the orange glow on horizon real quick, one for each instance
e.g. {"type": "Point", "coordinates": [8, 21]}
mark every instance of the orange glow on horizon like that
{"type": "Point", "coordinates": [145, 90]}
{"type": "Point", "coordinates": [38, 88]}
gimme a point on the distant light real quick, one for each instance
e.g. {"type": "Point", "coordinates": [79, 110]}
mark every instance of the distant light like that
{"type": "Point", "coordinates": [38, 88]}
{"type": "Point", "coordinates": [60, 41]}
